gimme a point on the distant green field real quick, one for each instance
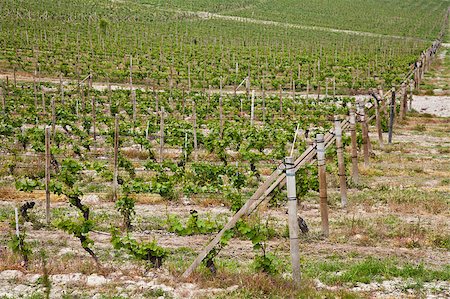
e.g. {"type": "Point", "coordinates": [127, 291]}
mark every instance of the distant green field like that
{"type": "Point", "coordinates": [415, 18]}
{"type": "Point", "coordinates": [98, 36]}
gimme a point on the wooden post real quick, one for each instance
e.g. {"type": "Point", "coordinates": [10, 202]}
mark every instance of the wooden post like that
{"type": "Point", "coordinates": [53, 118]}
{"type": "Point", "coordinates": [236, 78]}
{"type": "Point", "coordinates": [34, 91]}
{"type": "Point", "coordinates": [131, 72]}
{"type": "Point", "coordinates": [293, 87]}
{"type": "Point", "coordinates": [161, 136]}
{"type": "Point", "coordinates": [133, 97]}
{"type": "Point", "coordinates": [156, 101]}
{"type": "Point", "coordinates": [378, 121]}
{"type": "Point", "coordinates": [94, 121]}
{"type": "Point", "coordinates": [252, 112]}
{"type": "Point", "coordinates": [341, 165]}
{"type": "Point", "coordinates": [16, 217]}
{"type": "Point", "coordinates": [292, 221]}
{"type": "Point", "coordinates": [307, 91]}
{"type": "Point", "coordinates": [391, 117]}
{"type": "Point", "coordinates": [61, 88]}
{"type": "Point", "coordinates": [3, 98]}
{"type": "Point", "coordinates": [14, 74]}
{"type": "Point", "coordinates": [365, 135]}
{"type": "Point", "coordinates": [322, 184]}
{"type": "Point", "coordinates": [263, 104]}
{"type": "Point", "coordinates": [116, 157]}
{"type": "Point", "coordinates": [403, 102]}
{"type": "Point", "coordinates": [248, 83]}
{"type": "Point", "coordinates": [194, 118]}
{"type": "Point", "coordinates": [281, 101]}
{"type": "Point", "coordinates": [183, 103]}
{"type": "Point", "coordinates": [43, 100]}
{"type": "Point", "coordinates": [411, 87]}
{"type": "Point", "coordinates": [221, 110]}
{"type": "Point", "coordinates": [334, 87]}
{"type": "Point", "coordinates": [355, 172]}
{"type": "Point", "coordinates": [189, 77]}
{"type": "Point", "coordinates": [47, 174]}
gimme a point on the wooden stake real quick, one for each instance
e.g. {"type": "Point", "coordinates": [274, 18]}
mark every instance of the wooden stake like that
{"type": "Point", "coordinates": [53, 118]}
{"type": "Point", "coordinates": [281, 101]}
{"type": "Point", "coordinates": [252, 112]}
{"type": "Point", "coordinates": [189, 77]}
{"type": "Point", "coordinates": [194, 117]}
{"type": "Point", "coordinates": [391, 116]}
{"type": "Point", "coordinates": [161, 136]}
{"type": "Point", "coordinates": [292, 221]}
{"type": "Point", "coordinates": [15, 81]}
{"type": "Point", "coordinates": [221, 110]}
{"type": "Point", "coordinates": [264, 103]}
{"type": "Point", "coordinates": [334, 87]}
{"type": "Point", "coordinates": [3, 98]}
{"type": "Point", "coordinates": [43, 100]}
{"type": "Point", "coordinates": [116, 158]}
{"type": "Point", "coordinates": [133, 98]}
{"type": "Point", "coordinates": [341, 164]}
{"type": "Point", "coordinates": [61, 88]}
{"type": "Point", "coordinates": [47, 174]}
{"type": "Point", "coordinates": [94, 121]}
{"type": "Point", "coordinates": [403, 102]}
{"type": "Point", "coordinates": [16, 217]}
{"type": "Point", "coordinates": [322, 184]}
{"type": "Point", "coordinates": [355, 172]}
{"type": "Point", "coordinates": [378, 121]}
{"type": "Point", "coordinates": [34, 91]}
{"type": "Point", "coordinates": [411, 87]}
{"type": "Point", "coordinates": [365, 135]}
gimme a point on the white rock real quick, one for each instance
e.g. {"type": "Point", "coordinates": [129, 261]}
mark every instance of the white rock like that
{"type": "Point", "coordinates": [232, 288]}
{"type": "Point", "coordinates": [32, 278]}
{"type": "Point", "coordinates": [64, 251]}
{"type": "Point", "coordinates": [10, 274]}
{"type": "Point", "coordinates": [67, 278]}
{"type": "Point", "coordinates": [90, 199]}
{"type": "Point", "coordinates": [162, 287]}
{"type": "Point", "coordinates": [22, 289]}
{"type": "Point", "coordinates": [94, 280]}
{"type": "Point", "coordinates": [189, 286]}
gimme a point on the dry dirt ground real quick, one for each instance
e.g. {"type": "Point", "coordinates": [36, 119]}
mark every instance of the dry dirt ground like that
{"type": "Point", "coordinates": [398, 213]}
{"type": "Point", "coordinates": [391, 241]}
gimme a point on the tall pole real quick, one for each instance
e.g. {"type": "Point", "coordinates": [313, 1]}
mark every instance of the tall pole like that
{"type": "Point", "coordinates": [322, 184]}
{"type": "Point", "coordinates": [355, 172]}
{"type": "Point", "coordinates": [116, 157]}
{"type": "Point", "coordinates": [341, 164]}
{"type": "Point", "coordinates": [47, 174]}
{"type": "Point", "coordinates": [293, 223]}
{"type": "Point", "coordinates": [392, 115]}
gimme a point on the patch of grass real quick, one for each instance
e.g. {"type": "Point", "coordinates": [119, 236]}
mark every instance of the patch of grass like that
{"type": "Point", "coordinates": [6, 213]}
{"type": "Point", "coordinates": [443, 149]}
{"type": "Point", "coordinates": [266, 286]}
{"type": "Point", "coordinates": [406, 200]}
{"type": "Point", "coordinates": [441, 241]}
{"type": "Point", "coordinates": [339, 272]}
{"type": "Point", "coordinates": [420, 128]}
